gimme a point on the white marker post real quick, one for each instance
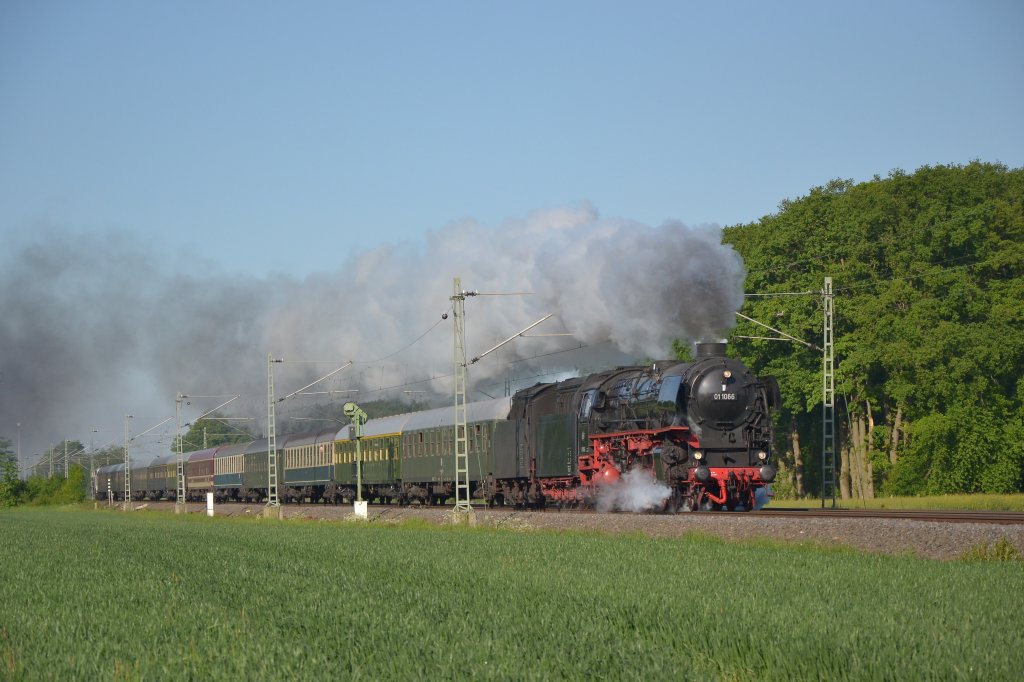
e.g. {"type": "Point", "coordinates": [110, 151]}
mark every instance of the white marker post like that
{"type": "Point", "coordinates": [209, 504]}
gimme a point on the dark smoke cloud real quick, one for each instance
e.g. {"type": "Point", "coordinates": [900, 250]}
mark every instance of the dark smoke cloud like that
{"type": "Point", "coordinates": [95, 327]}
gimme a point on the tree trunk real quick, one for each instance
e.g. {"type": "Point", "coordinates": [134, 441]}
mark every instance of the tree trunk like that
{"type": "Point", "coordinates": [844, 472]}
{"type": "Point", "coordinates": [798, 461]}
{"type": "Point", "coordinates": [869, 470]}
{"type": "Point", "coordinates": [856, 458]}
{"type": "Point", "coordinates": [894, 440]}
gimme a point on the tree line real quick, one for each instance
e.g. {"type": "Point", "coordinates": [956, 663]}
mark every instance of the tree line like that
{"type": "Point", "coordinates": [39, 487]}
{"type": "Point", "coordinates": [929, 328]}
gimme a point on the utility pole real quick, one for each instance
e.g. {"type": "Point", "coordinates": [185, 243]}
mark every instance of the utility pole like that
{"type": "Point", "coordinates": [273, 502]}
{"type": "Point", "coordinates": [127, 466]}
{"type": "Point", "coordinates": [828, 401]}
{"type": "Point", "coordinates": [462, 493]}
{"type": "Point", "coordinates": [273, 508]}
{"type": "Point", "coordinates": [92, 468]}
{"type": "Point", "coordinates": [179, 498]}
{"type": "Point", "coordinates": [458, 299]}
{"type": "Point", "coordinates": [182, 491]}
{"type": "Point", "coordinates": [65, 458]}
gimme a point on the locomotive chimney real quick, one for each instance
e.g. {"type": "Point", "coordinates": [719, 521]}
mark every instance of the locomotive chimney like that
{"type": "Point", "coordinates": [711, 350]}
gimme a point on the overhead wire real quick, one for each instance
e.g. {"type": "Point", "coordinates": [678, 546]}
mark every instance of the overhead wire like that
{"type": "Point", "coordinates": [440, 319]}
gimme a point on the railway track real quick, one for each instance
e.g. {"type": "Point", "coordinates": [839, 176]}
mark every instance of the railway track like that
{"type": "Point", "coordinates": [936, 515]}
{"type": "Point", "coordinates": [932, 515]}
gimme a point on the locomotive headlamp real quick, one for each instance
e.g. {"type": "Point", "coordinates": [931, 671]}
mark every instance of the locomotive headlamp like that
{"type": "Point", "coordinates": [698, 455]}
{"type": "Point", "coordinates": [762, 455]}
{"type": "Point", "coordinates": [726, 374]}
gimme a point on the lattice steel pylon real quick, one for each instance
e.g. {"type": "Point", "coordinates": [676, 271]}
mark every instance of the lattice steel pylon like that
{"type": "Point", "coordinates": [127, 465]}
{"type": "Point", "coordinates": [179, 500]}
{"type": "Point", "coordinates": [462, 493]}
{"type": "Point", "coordinates": [828, 401]}
{"type": "Point", "coordinates": [272, 498]}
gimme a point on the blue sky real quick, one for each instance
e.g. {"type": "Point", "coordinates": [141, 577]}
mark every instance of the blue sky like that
{"type": "Point", "coordinates": [279, 136]}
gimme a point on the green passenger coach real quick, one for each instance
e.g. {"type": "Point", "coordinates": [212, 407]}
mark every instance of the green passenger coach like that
{"type": "Point", "coordinates": [428, 442]}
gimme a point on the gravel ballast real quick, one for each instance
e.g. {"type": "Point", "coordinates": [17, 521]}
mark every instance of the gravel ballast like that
{"type": "Point", "coordinates": [929, 539]}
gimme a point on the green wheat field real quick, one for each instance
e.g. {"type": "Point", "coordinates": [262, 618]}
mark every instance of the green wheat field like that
{"type": "Point", "coordinates": [148, 596]}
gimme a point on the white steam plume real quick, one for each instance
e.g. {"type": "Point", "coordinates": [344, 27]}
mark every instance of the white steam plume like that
{"type": "Point", "coordinates": [92, 327]}
{"type": "Point", "coordinates": [637, 491]}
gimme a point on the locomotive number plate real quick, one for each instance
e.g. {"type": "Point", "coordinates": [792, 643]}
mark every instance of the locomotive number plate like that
{"type": "Point", "coordinates": [725, 396]}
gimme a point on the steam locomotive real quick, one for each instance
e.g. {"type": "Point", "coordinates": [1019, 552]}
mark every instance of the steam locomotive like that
{"type": "Point", "coordinates": [703, 428]}
{"type": "Point", "coordinates": [698, 433]}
